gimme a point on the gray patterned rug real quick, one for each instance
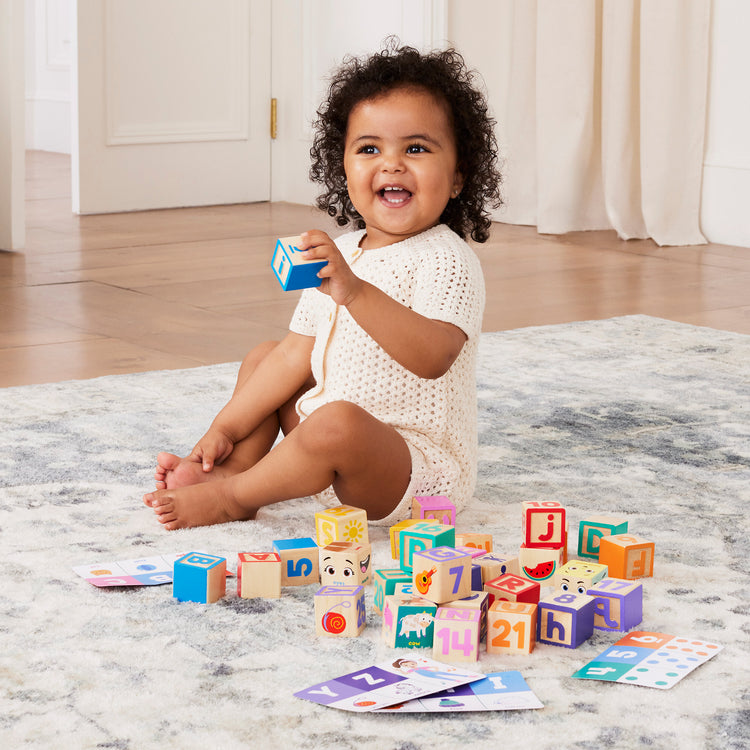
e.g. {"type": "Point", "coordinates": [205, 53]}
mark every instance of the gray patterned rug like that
{"type": "Point", "coordinates": [633, 416]}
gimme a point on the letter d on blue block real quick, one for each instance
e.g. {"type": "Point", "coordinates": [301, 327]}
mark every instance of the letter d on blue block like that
{"type": "Point", "coordinates": [199, 577]}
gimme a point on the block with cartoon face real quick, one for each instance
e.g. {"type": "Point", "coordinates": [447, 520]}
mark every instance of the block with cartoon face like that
{"type": "Point", "coordinates": [345, 563]}
{"type": "Point", "coordinates": [578, 576]}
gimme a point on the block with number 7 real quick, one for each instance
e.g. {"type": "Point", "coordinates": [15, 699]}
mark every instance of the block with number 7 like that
{"type": "Point", "coordinates": [442, 574]}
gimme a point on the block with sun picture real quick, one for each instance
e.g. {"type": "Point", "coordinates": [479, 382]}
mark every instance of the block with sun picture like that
{"type": "Point", "coordinates": [343, 523]}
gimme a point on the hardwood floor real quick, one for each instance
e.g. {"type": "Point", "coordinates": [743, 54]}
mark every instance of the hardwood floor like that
{"type": "Point", "coordinates": [98, 295]}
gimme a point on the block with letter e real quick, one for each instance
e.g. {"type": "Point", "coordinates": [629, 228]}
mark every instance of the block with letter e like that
{"type": "Point", "coordinates": [299, 561]}
{"type": "Point", "coordinates": [442, 574]}
{"type": "Point", "coordinates": [340, 611]}
{"type": "Point", "coordinates": [592, 529]}
{"type": "Point", "coordinates": [421, 536]}
{"type": "Point", "coordinates": [199, 577]}
{"type": "Point", "coordinates": [342, 523]}
{"type": "Point", "coordinates": [456, 636]}
{"type": "Point", "coordinates": [511, 627]}
{"type": "Point", "coordinates": [627, 556]}
{"type": "Point", "coordinates": [258, 575]}
{"type": "Point", "coordinates": [618, 604]}
{"type": "Point", "coordinates": [291, 269]}
{"type": "Point", "coordinates": [565, 619]}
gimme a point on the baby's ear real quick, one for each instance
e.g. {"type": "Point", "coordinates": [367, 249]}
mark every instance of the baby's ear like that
{"type": "Point", "coordinates": [458, 184]}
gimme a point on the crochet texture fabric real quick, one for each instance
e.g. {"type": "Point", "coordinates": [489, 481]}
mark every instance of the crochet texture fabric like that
{"type": "Point", "coordinates": [437, 275]}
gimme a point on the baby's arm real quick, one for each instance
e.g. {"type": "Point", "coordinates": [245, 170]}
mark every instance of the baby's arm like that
{"type": "Point", "coordinates": [422, 345]}
{"type": "Point", "coordinates": [273, 382]}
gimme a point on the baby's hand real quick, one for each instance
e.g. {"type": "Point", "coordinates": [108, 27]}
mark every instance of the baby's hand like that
{"type": "Point", "coordinates": [338, 280]}
{"type": "Point", "coordinates": [211, 449]}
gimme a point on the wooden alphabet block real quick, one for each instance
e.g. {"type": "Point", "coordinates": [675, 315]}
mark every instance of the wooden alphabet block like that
{"type": "Point", "coordinates": [345, 563]}
{"type": "Point", "coordinates": [627, 556]}
{"type": "Point", "coordinates": [344, 523]}
{"type": "Point", "coordinates": [434, 508]}
{"type": "Point", "coordinates": [495, 564]}
{"type": "Point", "coordinates": [442, 574]}
{"type": "Point", "coordinates": [512, 588]}
{"type": "Point", "coordinates": [592, 529]}
{"type": "Point", "coordinates": [421, 536]}
{"type": "Point", "coordinates": [258, 575]}
{"type": "Point", "coordinates": [479, 600]}
{"type": "Point", "coordinates": [480, 541]}
{"type": "Point", "coordinates": [395, 532]}
{"type": "Point", "coordinates": [577, 576]}
{"type": "Point", "coordinates": [511, 628]}
{"type": "Point", "coordinates": [340, 611]}
{"type": "Point", "coordinates": [539, 563]}
{"type": "Point", "coordinates": [385, 584]}
{"type": "Point", "coordinates": [408, 621]}
{"type": "Point", "coordinates": [565, 619]}
{"type": "Point", "coordinates": [618, 604]}
{"type": "Point", "coordinates": [456, 635]}
{"type": "Point", "coordinates": [299, 561]}
{"type": "Point", "coordinates": [199, 577]}
{"type": "Point", "coordinates": [291, 269]}
{"type": "Point", "coordinates": [543, 523]}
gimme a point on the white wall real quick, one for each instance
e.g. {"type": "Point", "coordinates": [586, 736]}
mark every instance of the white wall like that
{"type": "Point", "coordinates": [48, 86]}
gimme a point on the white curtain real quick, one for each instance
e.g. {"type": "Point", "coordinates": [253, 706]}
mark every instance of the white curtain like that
{"type": "Point", "coordinates": [603, 114]}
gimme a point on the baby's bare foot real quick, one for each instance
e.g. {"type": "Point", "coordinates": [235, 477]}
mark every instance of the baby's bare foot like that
{"type": "Point", "coordinates": [173, 472]}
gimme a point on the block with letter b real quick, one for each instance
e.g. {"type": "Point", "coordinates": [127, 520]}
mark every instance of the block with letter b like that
{"type": "Point", "coordinates": [421, 536]}
{"type": "Point", "coordinates": [442, 574]}
{"type": "Point", "coordinates": [565, 619]}
{"type": "Point", "coordinates": [342, 523]}
{"type": "Point", "coordinates": [199, 577]}
{"type": "Point", "coordinates": [258, 575]}
{"type": "Point", "coordinates": [456, 636]}
{"type": "Point", "coordinates": [543, 523]}
{"type": "Point", "coordinates": [512, 588]}
{"type": "Point", "coordinates": [345, 563]}
{"type": "Point", "coordinates": [627, 556]}
{"type": "Point", "coordinates": [291, 269]}
{"type": "Point", "coordinates": [592, 529]}
{"type": "Point", "coordinates": [434, 508]}
{"type": "Point", "coordinates": [299, 561]}
{"type": "Point", "coordinates": [511, 627]}
{"type": "Point", "coordinates": [618, 604]}
{"type": "Point", "coordinates": [340, 611]}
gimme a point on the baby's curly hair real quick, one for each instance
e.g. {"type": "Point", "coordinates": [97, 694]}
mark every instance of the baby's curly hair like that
{"type": "Point", "coordinates": [443, 74]}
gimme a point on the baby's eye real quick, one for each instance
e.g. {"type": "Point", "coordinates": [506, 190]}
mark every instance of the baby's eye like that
{"type": "Point", "coordinates": [416, 148]}
{"type": "Point", "coordinates": [368, 149]}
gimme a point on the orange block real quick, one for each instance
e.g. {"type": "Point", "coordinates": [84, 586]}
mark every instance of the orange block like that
{"type": "Point", "coordinates": [627, 556]}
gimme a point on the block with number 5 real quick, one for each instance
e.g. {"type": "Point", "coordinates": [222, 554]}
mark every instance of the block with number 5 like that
{"type": "Point", "coordinates": [442, 574]}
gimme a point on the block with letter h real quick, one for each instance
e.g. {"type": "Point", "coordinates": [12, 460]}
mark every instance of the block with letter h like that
{"type": "Point", "coordinates": [258, 575]}
{"type": "Point", "coordinates": [512, 588]}
{"type": "Point", "coordinates": [544, 523]}
{"type": "Point", "coordinates": [345, 563]}
{"type": "Point", "coordinates": [565, 619]}
{"type": "Point", "coordinates": [511, 627]}
{"type": "Point", "coordinates": [434, 508]}
{"type": "Point", "coordinates": [627, 556]}
{"type": "Point", "coordinates": [199, 577]}
{"type": "Point", "coordinates": [456, 636]}
{"type": "Point", "coordinates": [385, 584]}
{"type": "Point", "coordinates": [291, 269]}
{"type": "Point", "coordinates": [343, 523]}
{"type": "Point", "coordinates": [340, 611]}
{"type": "Point", "coordinates": [421, 536]}
{"type": "Point", "coordinates": [299, 561]}
{"type": "Point", "coordinates": [442, 574]}
{"type": "Point", "coordinates": [591, 530]}
{"type": "Point", "coordinates": [618, 604]}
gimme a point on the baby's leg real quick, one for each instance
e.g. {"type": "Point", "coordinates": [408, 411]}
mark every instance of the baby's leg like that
{"type": "Point", "coordinates": [367, 462]}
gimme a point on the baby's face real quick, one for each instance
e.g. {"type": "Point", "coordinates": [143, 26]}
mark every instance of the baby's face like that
{"type": "Point", "coordinates": [401, 164]}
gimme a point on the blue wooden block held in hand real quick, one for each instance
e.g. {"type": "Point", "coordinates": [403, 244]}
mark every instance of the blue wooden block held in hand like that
{"type": "Point", "coordinates": [291, 269]}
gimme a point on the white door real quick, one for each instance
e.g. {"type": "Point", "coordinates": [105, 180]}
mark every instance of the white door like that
{"type": "Point", "coordinates": [171, 103]}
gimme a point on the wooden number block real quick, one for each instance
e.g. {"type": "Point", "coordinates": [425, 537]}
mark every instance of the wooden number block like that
{"type": "Point", "coordinates": [494, 565]}
{"type": "Point", "coordinates": [618, 604]}
{"type": "Point", "coordinates": [442, 574]}
{"type": "Point", "coordinates": [407, 621]}
{"type": "Point", "coordinates": [291, 269]}
{"type": "Point", "coordinates": [478, 600]}
{"type": "Point", "coordinates": [627, 556]}
{"type": "Point", "coordinates": [577, 576]}
{"type": "Point", "coordinates": [511, 628]}
{"type": "Point", "coordinates": [385, 584]}
{"type": "Point", "coordinates": [421, 536]}
{"type": "Point", "coordinates": [396, 530]}
{"type": "Point", "coordinates": [345, 563]}
{"type": "Point", "coordinates": [480, 541]}
{"type": "Point", "coordinates": [340, 611]}
{"type": "Point", "coordinates": [344, 523]}
{"type": "Point", "coordinates": [434, 508]}
{"type": "Point", "coordinates": [258, 575]}
{"type": "Point", "coordinates": [512, 588]}
{"type": "Point", "coordinates": [539, 563]}
{"type": "Point", "coordinates": [591, 530]}
{"type": "Point", "coordinates": [456, 635]}
{"type": "Point", "coordinates": [199, 578]}
{"type": "Point", "coordinates": [565, 619]}
{"type": "Point", "coordinates": [299, 561]}
{"type": "Point", "coordinates": [543, 523]}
